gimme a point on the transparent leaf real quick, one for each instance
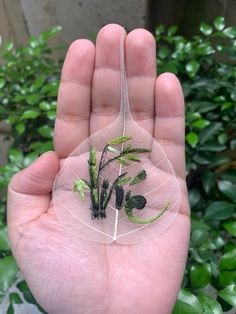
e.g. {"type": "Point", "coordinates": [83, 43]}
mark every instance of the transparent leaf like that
{"type": "Point", "coordinates": [160, 188]}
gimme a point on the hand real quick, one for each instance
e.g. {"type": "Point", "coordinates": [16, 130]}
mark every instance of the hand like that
{"type": "Point", "coordinates": [67, 275]}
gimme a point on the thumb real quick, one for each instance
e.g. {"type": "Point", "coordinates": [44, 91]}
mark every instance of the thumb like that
{"type": "Point", "coordinates": [38, 178]}
{"type": "Point", "coordinates": [29, 193]}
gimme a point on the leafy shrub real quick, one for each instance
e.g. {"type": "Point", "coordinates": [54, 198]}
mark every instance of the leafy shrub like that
{"type": "Point", "coordinates": [29, 80]}
{"type": "Point", "coordinates": [206, 67]}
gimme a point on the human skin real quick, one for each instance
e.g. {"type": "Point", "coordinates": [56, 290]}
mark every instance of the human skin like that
{"type": "Point", "coordinates": [74, 276]}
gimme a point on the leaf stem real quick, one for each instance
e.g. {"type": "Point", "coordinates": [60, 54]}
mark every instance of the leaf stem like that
{"type": "Point", "coordinates": [126, 152]}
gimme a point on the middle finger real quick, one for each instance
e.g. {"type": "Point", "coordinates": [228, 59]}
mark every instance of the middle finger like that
{"type": "Point", "coordinates": [140, 55]}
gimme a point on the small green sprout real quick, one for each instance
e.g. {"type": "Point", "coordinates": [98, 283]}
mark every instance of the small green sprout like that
{"type": "Point", "coordinates": [120, 140]}
{"type": "Point", "coordinates": [139, 177]}
{"type": "Point", "coordinates": [80, 186]}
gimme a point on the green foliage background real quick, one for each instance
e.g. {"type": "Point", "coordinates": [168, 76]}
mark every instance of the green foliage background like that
{"type": "Point", "coordinates": [206, 67]}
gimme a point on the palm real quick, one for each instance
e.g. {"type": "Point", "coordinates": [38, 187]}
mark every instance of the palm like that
{"type": "Point", "coordinates": [68, 275]}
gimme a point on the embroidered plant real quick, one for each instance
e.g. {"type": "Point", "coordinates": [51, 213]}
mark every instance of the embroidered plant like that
{"type": "Point", "coordinates": [101, 192]}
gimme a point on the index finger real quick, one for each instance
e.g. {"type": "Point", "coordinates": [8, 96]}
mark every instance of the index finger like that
{"type": "Point", "coordinates": [74, 97]}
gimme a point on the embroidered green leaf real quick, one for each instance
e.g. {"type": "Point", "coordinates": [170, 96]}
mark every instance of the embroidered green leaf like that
{"type": "Point", "coordinates": [119, 197]}
{"type": "Point", "coordinates": [128, 148]}
{"type": "Point", "coordinates": [138, 150]}
{"type": "Point", "coordinates": [101, 190]}
{"type": "Point", "coordinates": [136, 201]}
{"type": "Point", "coordinates": [123, 180]}
{"type": "Point", "coordinates": [93, 173]}
{"type": "Point", "coordinates": [127, 195]}
{"type": "Point", "coordinates": [132, 158]}
{"type": "Point", "coordinates": [80, 186]}
{"type": "Point", "coordinates": [117, 180]}
{"type": "Point", "coordinates": [103, 197]}
{"type": "Point", "coordinates": [131, 217]}
{"type": "Point", "coordinates": [92, 156]}
{"type": "Point", "coordinates": [122, 161]}
{"type": "Point", "coordinates": [119, 140]}
{"type": "Point", "coordinates": [139, 177]}
{"type": "Point", "coordinates": [105, 184]}
{"type": "Point", "coordinates": [112, 149]}
{"type": "Point", "coordinates": [142, 150]}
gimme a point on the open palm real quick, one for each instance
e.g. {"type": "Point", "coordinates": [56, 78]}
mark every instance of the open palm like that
{"type": "Point", "coordinates": [69, 275]}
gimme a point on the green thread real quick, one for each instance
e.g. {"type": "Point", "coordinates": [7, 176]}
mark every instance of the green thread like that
{"type": "Point", "coordinates": [146, 221]}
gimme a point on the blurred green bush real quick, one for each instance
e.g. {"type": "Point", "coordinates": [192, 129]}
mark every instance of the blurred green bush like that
{"type": "Point", "coordinates": [29, 79]}
{"type": "Point", "coordinates": [206, 67]}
